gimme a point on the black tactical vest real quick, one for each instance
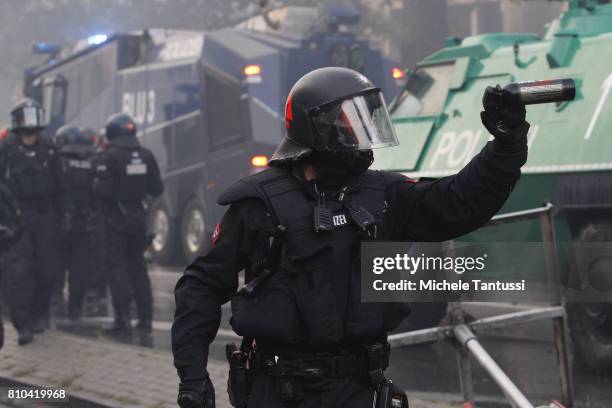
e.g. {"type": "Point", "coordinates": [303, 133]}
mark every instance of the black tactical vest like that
{"type": "Point", "coordinates": [300, 303]}
{"type": "Point", "coordinates": [29, 170]}
{"type": "Point", "coordinates": [78, 174]}
{"type": "Point", "coordinates": [132, 174]}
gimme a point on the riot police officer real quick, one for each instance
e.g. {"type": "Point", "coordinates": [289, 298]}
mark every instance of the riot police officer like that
{"type": "Point", "coordinates": [126, 174]}
{"type": "Point", "coordinates": [10, 232]}
{"type": "Point", "coordinates": [30, 167]}
{"type": "Point", "coordinates": [96, 297]}
{"type": "Point", "coordinates": [309, 338]}
{"type": "Point", "coordinates": [76, 151]}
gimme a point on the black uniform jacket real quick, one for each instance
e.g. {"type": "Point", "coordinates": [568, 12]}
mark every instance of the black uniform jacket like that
{"type": "Point", "coordinates": [126, 172]}
{"type": "Point", "coordinates": [32, 173]}
{"type": "Point", "coordinates": [429, 210]}
{"type": "Point", "coordinates": [10, 220]}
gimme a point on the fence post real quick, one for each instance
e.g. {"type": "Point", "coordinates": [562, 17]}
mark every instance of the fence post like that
{"type": "Point", "coordinates": [560, 327]}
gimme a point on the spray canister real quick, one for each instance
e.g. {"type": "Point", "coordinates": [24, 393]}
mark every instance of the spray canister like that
{"type": "Point", "coordinates": [543, 91]}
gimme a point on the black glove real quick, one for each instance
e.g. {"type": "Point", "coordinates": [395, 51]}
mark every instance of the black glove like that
{"type": "Point", "coordinates": [504, 116]}
{"type": "Point", "coordinates": [196, 395]}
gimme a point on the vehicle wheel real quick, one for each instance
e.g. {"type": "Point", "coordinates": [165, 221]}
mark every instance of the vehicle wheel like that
{"type": "Point", "coordinates": [194, 236]}
{"type": "Point", "coordinates": [591, 323]}
{"type": "Point", "coordinates": [163, 245]}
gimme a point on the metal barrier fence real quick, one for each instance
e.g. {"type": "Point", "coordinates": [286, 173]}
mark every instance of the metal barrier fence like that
{"type": "Point", "coordinates": [467, 343]}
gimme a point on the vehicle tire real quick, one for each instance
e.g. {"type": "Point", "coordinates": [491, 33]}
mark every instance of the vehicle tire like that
{"type": "Point", "coordinates": [161, 224]}
{"type": "Point", "coordinates": [591, 323]}
{"type": "Point", "coordinates": [194, 235]}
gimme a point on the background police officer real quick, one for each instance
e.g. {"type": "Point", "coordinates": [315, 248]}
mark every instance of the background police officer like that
{"type": "Point", "coordinates": [97, 282]}
{"type": "Point", "coordinates": [76, 150]}
{"type": "Point", "coordinates": [30, 167]}
{"type": "Point", "coordinates": [126, 173]}
{"type": "Point", "coordinates": [334, 117]}
{"type": "Point", "coordinates": [10, 232]}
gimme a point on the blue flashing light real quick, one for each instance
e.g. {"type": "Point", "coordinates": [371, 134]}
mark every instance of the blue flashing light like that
{"type": "Point", "coordinates": [97, 39]}
{"type": "Point", "coordinates": [46, 48]}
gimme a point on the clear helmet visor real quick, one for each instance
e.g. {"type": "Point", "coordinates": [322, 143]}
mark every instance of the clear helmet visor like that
{"type": "Point", "coordinates": [361, 122]}
{"type": "Point", "coordinates": [29, 117]}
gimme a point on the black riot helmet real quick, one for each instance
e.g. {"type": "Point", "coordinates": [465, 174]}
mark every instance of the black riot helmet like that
{"type": "Point", "coordinates": [120, 125]}
{"type": "Point", "coordinates": [27, 115]}
{"type": "Point", "coordinates": [67, 135]}
{"type": "Point", "coordinates": [89, 136]}
{"type": "Point", "coordinates": [335, 113]}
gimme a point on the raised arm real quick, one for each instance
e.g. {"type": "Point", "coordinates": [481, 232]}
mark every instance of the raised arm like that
{"type": "Point", "coordinates": [455, 205]}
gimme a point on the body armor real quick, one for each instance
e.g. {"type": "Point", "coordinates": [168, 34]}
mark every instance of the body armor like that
{"type": "Point", "coordinates": [78, 173]}
{"type": "Point", "coordinates": [28, 171]}
{"type": "Point", "coordinates": [128, 180]}
{"type": "Point", "coordinates": [315, 295]}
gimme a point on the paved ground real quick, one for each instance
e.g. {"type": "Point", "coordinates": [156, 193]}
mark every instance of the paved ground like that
{"type": "Point", "coordinates": [138, 372]}
{"type": "Point", "coordinates": [107, 373]}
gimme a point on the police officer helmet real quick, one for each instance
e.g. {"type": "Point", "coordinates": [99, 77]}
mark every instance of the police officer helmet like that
{"type": "Point", "coordinates": [89, 136]}
{"type": "Point", "coordinates": [336, 111]}
{"type": "Point", "coordinates": [120, 125]}
{"type": "Point", "coordinates": [67, 135]}
{"type": "Point", "coordinates": [27, 115]}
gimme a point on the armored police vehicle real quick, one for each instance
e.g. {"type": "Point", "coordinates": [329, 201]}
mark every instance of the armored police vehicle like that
{"type": "Point", "coordinates": [208, 104]}
{"type": "Point", "coordinates": [570, 163]}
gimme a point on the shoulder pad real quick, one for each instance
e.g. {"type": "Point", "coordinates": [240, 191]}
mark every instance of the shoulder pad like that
{"type": "Point", "coordinates": [250, 187]}
{"type": "Point", "coordinates": [238, 191]}
{"type": "Point", "coordinates": [372, 179]}
{"type": "Point", "coordinates": [392, 178]}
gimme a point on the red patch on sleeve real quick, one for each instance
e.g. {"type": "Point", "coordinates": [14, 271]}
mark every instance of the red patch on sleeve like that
{"type": "Point", "coordinates": [216, 234]}
{"type": "Point", "coordinates": [409, 180]}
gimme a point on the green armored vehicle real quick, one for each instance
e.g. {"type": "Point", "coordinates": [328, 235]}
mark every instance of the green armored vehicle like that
{"type": "Point", "coordinates": [570, 160]}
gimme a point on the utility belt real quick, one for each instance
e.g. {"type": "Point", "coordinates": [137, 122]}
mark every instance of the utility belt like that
{"type": "Point", "coordinates": [292, 371]}
{"type": "Point", "coordinates": [373, 360]}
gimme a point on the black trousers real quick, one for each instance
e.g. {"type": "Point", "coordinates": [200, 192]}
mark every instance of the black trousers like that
{"type": "Point", "coordinates": [98, 277]}
{"type": "Point", "coordinates": [33, 266]}
{"type": "Point", "coordinates": [126, 239]}
{"type": "Point", "coordinates": [338, 393]}
{"type": "Point", "coordinates": [78, 261]}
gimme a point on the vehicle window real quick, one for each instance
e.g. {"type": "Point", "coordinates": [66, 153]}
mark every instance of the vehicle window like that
{"type": "Point", "coordinates": [101, 66]}
{"type": "Point", "coordinates": [54, 101]}
{"type": "Point", "coordinates": [358, 58]}
{"type": "Point", "coordinates": [222, 111]}
{"type": "Point", "coordinates": [188, 147]}
{"type": "Point", "coordinates": [348, 56]}
{"type": "Point", "coordinates": [425, 91]}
